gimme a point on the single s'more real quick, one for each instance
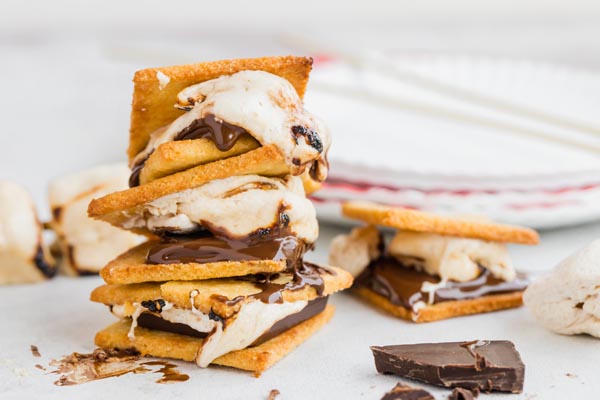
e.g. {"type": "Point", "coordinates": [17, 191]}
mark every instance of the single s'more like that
{"type": "Point", "coordinates": [222, 155]}
{"type": "Point", "coordinates": [434, 267]}
{"type": "Point", "coordinates": [24, 258]}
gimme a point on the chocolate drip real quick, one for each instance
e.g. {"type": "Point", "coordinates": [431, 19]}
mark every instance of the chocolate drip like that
{"type": "Point", "coordinates": [314, 307]}
{"type": "Point", "coordinates": [207, 248]}
{"type": "Point", "coordinates": [402, 285]}
{"type": "Point", "coordinates": [223, 134]}
{"type": "Point", "coordinates": [305, 274]}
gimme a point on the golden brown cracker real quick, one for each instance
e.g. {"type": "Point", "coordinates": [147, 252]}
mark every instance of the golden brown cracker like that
{"type": "Point", "coordinates": [154, 99]}
{"type": "Point", "coordinates": [131, 267]}
{"type": "Point", "coordinates": [170, 345]}
{"type": "Point", "coordinates": [213, 292]}
{"type": "Point", "coordinates": [177, 292]}
{"type": "Point", "coordinates": [171, 157]}
{"type": "Point", "coordinates": [121, 294]}
{"type": "Point", "coordinates": [266, 161]}
{"type": "Point", "coordinates": [446, 309]}
{"type": "Point", "coordinates": [420, 221]}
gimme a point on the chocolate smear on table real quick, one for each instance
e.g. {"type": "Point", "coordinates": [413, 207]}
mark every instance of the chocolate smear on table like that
{"type": "Point", "coordinates": [35, 351]}
{"type": "Point", "coordinates": [485, 365]}
{"type": "Point", "coordinates": [80, 368]}
{"type": "Point", "coordinates": [406, 392]}
{"type": "Point", "coordinates": [463, 394]}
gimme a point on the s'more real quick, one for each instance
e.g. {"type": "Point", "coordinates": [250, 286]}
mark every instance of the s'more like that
{"type": "Point", "coordinates": [434, 267]}
{"type": "Point", "coordinates": [222, 156]}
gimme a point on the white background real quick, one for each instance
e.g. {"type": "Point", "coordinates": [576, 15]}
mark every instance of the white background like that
{"type": "Point", "coordinates": [65, 71]}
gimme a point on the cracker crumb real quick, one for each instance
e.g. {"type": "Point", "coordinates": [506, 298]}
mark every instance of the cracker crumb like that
{"type": "Point", "coordinates": [273, 394]}
{"type": "Point", "coordinates": [35, 351]}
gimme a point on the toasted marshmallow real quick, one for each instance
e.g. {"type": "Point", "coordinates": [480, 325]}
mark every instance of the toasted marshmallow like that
{"type": "Point", "coordinates": [355, 251]}
{"type": "Point", "coordinates": [567, 300]}
{"type": "Point", "coordinates": [86, 244]}
{"type": "Point", "coordinates": [451, 258]}
{"type": "Point", "coordinates": [23, 256]}
{"type": "Point", "coordinates": [265, 105]}
{"type": "Point", "coordinates": [237, 207]}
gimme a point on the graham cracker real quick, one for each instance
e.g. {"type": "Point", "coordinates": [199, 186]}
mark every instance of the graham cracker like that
{"type": "Point", "coordinates": [155, 89]}
{"type": "Point", "coordinates": [420, 221]}
{"type": "Point", "coordinates": [265, 161]}
{"type": "Point", "coordinates": [211, 292]}
{"type": "Point", "coordinates": [445, 309]}
{"type": "Point", "coordinates": [170, 345]}
{"type": "Point", "coordinates": [131, 267]}
{"type": "Point", "coordinates": [171, 157]}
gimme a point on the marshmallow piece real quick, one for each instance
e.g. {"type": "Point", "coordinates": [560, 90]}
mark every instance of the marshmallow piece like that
{"type": "Point", "coordinates": [355, 251]}
{"type": "Point", "coordinates": [452, 258]}
{"type": "Point", "coordinates": [237, 206]}
{"type": "Point", "coordinates": [567, 300]}
{"type": "Point", "coordinates": [86, 244]}
{"type": "Point", "coordinates": [23, 257]}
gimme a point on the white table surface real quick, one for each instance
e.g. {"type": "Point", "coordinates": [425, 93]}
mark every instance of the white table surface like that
{"type": "Point", "coordinates": [65, 77]}
{"type": "Point", "coordinates": [335, 363]}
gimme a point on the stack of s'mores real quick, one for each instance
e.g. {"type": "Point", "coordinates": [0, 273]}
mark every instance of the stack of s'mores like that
{"type": "Point", "coordinates": [434, 267]}
{"type": "Point", "coordinates": [222, 156]}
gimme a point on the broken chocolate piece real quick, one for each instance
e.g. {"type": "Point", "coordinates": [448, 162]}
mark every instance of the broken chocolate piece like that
{"type": "Point", "coordinates": [463, 394]}
{"type": "Point", "coordinates": [484, 365]}
{"type": "Point", "coordinates": [406, 392]}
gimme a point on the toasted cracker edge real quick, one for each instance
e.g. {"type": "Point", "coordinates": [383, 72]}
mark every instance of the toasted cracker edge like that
{"type": "Point", "coordinates": [420, 221]}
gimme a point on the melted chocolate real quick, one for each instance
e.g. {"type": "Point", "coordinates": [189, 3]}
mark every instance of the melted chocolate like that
{"type": "Point", "coordinates": [305, 274]}
{"type": "Point", "coordinates": [402, 285]}
{"type": "Point", "coordinates": [314, 307]}
{"type": "Point", "coordinates": [223, 134]}
{"type": "Point", "coordinates": [136, 170]}
{"type": "Point", "coordinates": [207, 249]}
{"type": "Point", "coordinates": [45, 268]}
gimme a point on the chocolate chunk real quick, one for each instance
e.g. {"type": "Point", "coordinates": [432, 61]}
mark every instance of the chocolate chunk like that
{"type": "Point", "coordinates": [463, 394]}
{"type": "Point", "coordinates": [406, 392]}
{"type": "Point", "coordinates": [311, 137]}
{"type": "Point", "coordinates": [484, 365]}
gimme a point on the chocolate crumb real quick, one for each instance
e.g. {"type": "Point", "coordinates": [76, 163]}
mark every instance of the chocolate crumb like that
{"type": "Point", "coordinates": [570, 375]}
{"type": "Point", "coordinates": [154, 306]}
{"type": "Point", "coordinates": [38, 366]}
{"type": "Point", "coordinates": [463, 394]}
{"type": "Point", "coordinates": [406, 392]}
{"type": "Point", "coordinates": [311, 137]}
{"type": "Point", "coordinates": [35, 351]}
{"type": "Point", "coordinates": [273, 394]}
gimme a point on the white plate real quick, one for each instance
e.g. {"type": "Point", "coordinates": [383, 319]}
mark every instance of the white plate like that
{"type": "Point", "coordinates": [421, 151]}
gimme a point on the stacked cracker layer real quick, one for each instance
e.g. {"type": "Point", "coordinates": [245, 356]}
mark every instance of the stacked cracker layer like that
{"type": "Point", "coordinates": [222, 156]}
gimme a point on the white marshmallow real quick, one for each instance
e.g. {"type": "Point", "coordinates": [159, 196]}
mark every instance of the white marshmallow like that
{"type": "Point", "coordinates": [239, 205]}
{"type": "Point", "coordinates": [453, 258]}
{"type": "Point", "coordinates": [567, 300]}
{"type": "Point", "coordinates": [20, 237]}
{"type": "Point", "coordinates": [87, 244]}
{"type": "Point", "coordinates": [355, 251]}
